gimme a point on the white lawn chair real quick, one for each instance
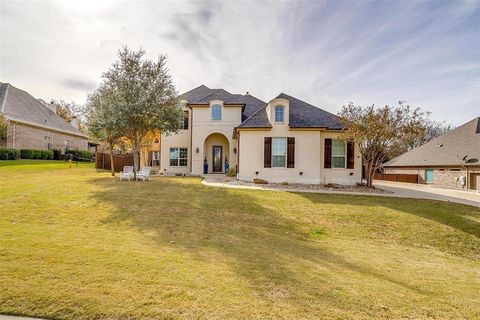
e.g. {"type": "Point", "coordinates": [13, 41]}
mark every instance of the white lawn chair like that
{"type": "Point", "coordinates": [144, 174]}
{"type": "Point", "coordinates": [127, 173]}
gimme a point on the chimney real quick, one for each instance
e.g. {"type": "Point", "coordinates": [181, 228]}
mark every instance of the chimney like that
{"type": "Point", "coordinates": [74, 122]}
{"type": "Point", "coordinates": [51, 106]}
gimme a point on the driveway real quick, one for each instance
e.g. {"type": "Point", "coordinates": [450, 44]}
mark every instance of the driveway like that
{"type": "Point", "coordinates": [422, 191]}
{"type": "Point", "coordinates": [397, 189]}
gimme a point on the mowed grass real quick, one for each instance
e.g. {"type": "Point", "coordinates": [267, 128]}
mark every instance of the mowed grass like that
{"type": "Point", "coordinates": [78, 244]}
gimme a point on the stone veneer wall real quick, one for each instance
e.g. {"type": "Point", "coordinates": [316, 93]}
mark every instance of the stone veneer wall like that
{"type": "Point", "coordinates": [442, 177]}
{"type": "Point", "coordinates": [20, 136]}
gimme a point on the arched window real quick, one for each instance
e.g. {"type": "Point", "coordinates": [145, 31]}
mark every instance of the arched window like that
{"type": "Point", "coordinates": [279, 113]}
{"type": "Point", "coordinates": [216, 112]}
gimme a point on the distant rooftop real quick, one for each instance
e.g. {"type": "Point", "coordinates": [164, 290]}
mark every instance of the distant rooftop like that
{"type": "Point", "coordinates": [456, 147]}
{"type": "Point", "coordinates": [18, 105]}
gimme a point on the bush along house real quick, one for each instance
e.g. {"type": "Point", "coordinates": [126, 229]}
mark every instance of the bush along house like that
{"type": "Point", "coordinates": [450, 161]}
{"type": "Point", "coordinates": [284, 140]}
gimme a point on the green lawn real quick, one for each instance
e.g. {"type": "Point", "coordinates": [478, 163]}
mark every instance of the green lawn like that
{"type": "Point", "coordinates": [78, 244]}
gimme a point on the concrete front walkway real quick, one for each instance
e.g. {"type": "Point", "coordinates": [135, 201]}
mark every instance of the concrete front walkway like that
{"type": "Point", "coordinates": [401, 190]}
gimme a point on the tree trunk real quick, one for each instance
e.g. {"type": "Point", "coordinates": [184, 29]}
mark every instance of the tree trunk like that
{"type": "Point", "coordinates": [370, 173]}
{"type": "Point", "coordinates": [112, 162]}
{"type": "Point", "coordinates": [135, 161]}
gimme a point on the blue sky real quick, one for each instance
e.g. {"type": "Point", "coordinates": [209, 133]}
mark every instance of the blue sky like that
{"type": "Point", "coordinates": [324, 52]}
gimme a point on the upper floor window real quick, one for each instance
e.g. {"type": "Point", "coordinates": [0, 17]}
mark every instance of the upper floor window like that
{"type": "Point", "coordinates": [279, 113]}
{"type": "Point", "coordinates": [184, 123]}
{"type": "Point", "coordinates": [216, 112]}
{"type": "Point", "coordinates": [338, 154]}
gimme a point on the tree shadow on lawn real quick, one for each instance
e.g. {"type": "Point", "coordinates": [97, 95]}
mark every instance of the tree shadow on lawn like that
{"type": "Point", "coordinates": [457, 216]}
{"type": "Point", "coordinates": [269, 250]}
{"type": "Point", "coordinates": [463, 219]}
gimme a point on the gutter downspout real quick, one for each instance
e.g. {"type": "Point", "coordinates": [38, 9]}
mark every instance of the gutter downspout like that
{"type": "Point", "coordinates": [13, 139]}
{"type": "Point", "coordinates": [191, 134]}
{"type": "Point", "coordinates": [238, 153]}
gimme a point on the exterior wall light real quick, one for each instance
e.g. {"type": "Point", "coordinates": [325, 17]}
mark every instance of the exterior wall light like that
{"type": "Point", "coordinates": [235, 150]}
{"type": "Point", "coordinates": [256, 173]}
{"type": "Point", "coordinates": [197, 150]}
{"type": "Point", "coordinates": [301, 173]}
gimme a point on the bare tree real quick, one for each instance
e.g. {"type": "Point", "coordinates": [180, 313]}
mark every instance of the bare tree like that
{"type": "Point", "coordinates": [425, 130]}
{"type": "Point", "coordinates": [378, 131]}
{"type": "Point", "coordinates": [70, 110]}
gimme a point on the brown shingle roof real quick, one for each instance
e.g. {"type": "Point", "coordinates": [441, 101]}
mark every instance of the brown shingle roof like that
{"type": "Point", "coordinates": [447, 150]}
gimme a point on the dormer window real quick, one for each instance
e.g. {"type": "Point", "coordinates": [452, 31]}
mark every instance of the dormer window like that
{"type": "Point", "coordinates": [216, 112]}
{"type": "Point", "coordinates": [279, 113]}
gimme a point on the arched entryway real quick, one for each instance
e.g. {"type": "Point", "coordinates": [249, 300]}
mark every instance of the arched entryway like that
{"type": "Point", "coordinates": [216, 150]}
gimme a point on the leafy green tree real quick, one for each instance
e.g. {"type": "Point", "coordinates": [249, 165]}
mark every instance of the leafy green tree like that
{"type": "Point", "coordinates": [380, 131]}
{"type": "Point", "coordinates": [102, 119]}
{"type": "Point", "coordinates": [142, 97]}
{"type": "Point", "coordinates": [3, 129]}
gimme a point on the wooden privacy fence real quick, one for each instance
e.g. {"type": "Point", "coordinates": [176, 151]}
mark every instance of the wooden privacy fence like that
{"type": "Point", "coordinates": [102, 161]}
{"type": "Point", "coordinates": [396, 177]}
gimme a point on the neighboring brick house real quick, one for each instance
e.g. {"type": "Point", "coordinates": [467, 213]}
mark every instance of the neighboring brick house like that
{"type": "Point", "coordinates": [35, 125]}
{"type": "Point", "coordinates": [450, 161]}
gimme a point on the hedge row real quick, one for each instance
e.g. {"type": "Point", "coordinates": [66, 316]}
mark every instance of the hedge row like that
{"type": "Point", "coordinates": [9, 154]}
{"type": "Point", "coordinates": [36, 154]}
{"type": "Point", "coordinates": [55, 154]}
{"type": "Point", "coordinates": [80, 155]}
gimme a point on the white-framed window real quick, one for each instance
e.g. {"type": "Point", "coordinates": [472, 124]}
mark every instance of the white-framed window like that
{"type": "Point", "coordinates": [178, 157]}
{"type": "Point", "coordinates": [279, 152]}
{"type": "Point", "coordinates": [216, 112]}
{"type": "Point", "coordinates": [339, 151]}
{"type": "Point", "coordinates": [155, 158]}
{"type": "Point", "coordinates": [279, 113]}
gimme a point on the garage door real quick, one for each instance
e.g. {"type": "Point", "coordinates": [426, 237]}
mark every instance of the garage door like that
{"type": "Point", "coordinates": [475, 181]}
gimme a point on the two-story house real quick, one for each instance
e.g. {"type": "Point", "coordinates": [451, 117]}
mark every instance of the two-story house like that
{"type": "Point", "coordinates": [284, 140]}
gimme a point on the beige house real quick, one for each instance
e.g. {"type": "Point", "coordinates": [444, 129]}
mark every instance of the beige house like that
{"type": "Point", "coordinates": [34, 124]}
{"type": "Point", "coordinates": [284, 140]}
{"type": "Point", "coordinates": [450, 161]}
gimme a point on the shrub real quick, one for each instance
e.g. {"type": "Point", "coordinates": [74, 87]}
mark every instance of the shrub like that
{"type": "Point", "coordinates": [232, 172]}
{"type": "Point", "coordinates": [47, 154]}
{"type": "Point", "coordinates": [36, 154]}
{"type": "Point", "coordinates": [80, 155]}
{"type": "Point", "coordinates": [9, 154]}
{"type": "Point", "coordinates": [27, 154]}
{"type": "Point", "coordinates": [57, 154]}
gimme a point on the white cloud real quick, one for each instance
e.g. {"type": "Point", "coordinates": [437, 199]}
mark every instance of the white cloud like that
{"type": "Point", "coordinates": [326, 53]}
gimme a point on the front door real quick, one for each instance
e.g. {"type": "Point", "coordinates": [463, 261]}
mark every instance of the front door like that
{"type": "Point", "coordinates": [217, 159]}
{"type": "Point", "coordinates": [428, 175]}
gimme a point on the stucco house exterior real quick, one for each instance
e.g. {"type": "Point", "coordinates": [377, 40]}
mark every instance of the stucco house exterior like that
{"type": "Point", "coordinates": [33, 124]}
{"type": "Point", "coordinates": [450, 161]}
{"type": "Point", "coordinates": [284, 140]}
